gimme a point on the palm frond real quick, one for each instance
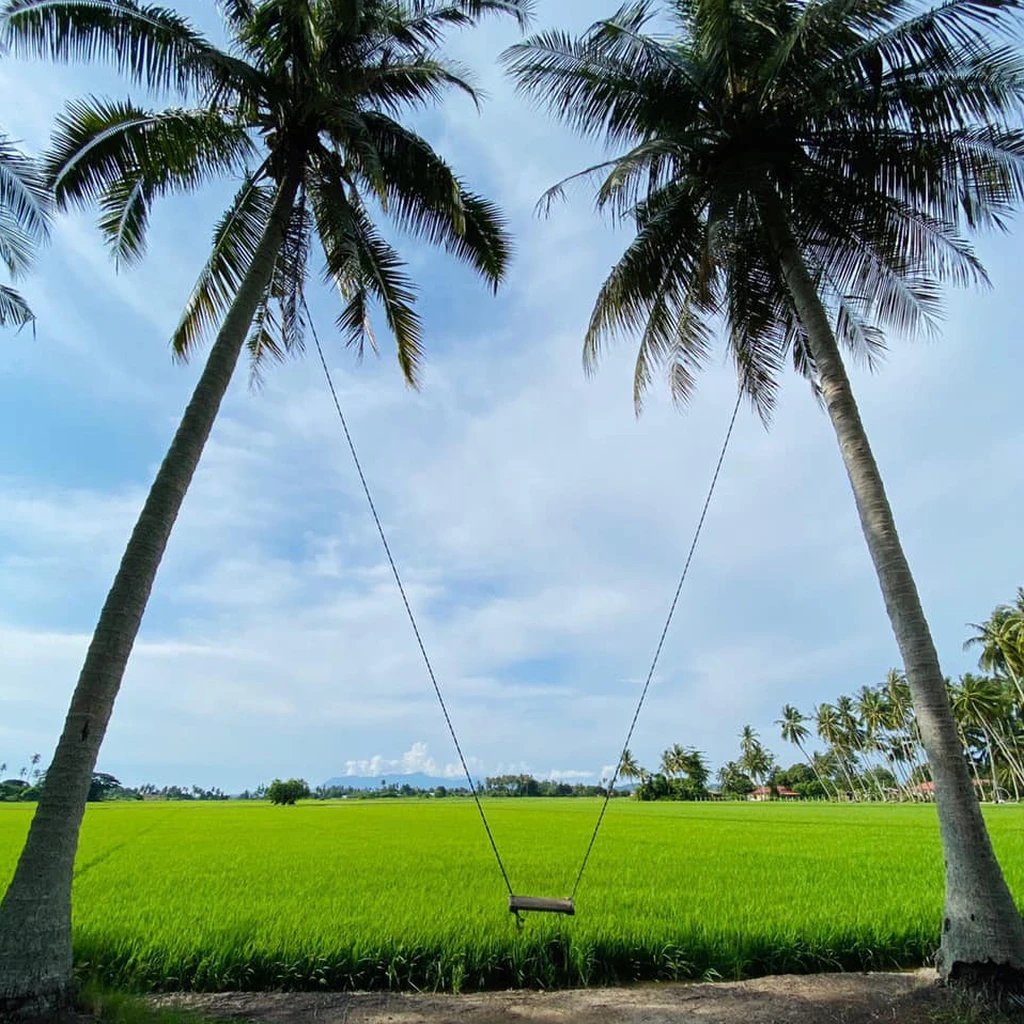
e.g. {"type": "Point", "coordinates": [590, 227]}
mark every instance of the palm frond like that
{"type": "Point", "coordinates": [17, 247]}
{"type": "Point", "coordinates": [14, 310]}
{"type": "Point", "coordinates": [23, 194]}
{"type": "Point", "coordinates": [235, 239]}
{"type": "Point", "coordinates": [938, 29]}
{"type": "Point", "coordinates": [399, 84]}
{"type": "Point", "coordinates": [238, 13]}
{"type": "Point", "coordinates": [362, 265]}
{"type": "Point", "coordinates": [263, 342]}
{"type": "Point", "coordinates": [122, 157]}
{"type": "Point", "coordinates": [605, 85]}
{"type": "Point", "coordinates": [154, 46]}
{"type": "Point", "coordinates": [287, 287]}
{"type": "Point", "coordinates": [423, 26]}
{"type": "Point", "coordinates": [656, 267]}
{"type": "Point", "coordinates": [428, 200]}
{"type": "Point", "coordinates": [522, 11]}
{"type": "Point", "coordinates": [679, 338]}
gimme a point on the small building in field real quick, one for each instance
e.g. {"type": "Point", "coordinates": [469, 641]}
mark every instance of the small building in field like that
{"type": "Point", "coordinates": [926, 790]}
{"type": "Point", "coordinates": [772, 793]}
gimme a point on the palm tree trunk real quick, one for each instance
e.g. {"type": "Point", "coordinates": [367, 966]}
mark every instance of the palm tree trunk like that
{"type": "Point", "coordinates": [974, 767]}
{"type": "Point", "coordinates": [854, 796]}
{"type": "Point", "coordinates": [807, 760]}
{"type": "Point", "coordinates": [992, 764]}
{"type": "Point", "coordinates": [1014, 764]}
{"type": "Point", "coordinates": [35, 916]}
{"type": "Point", "coordinates": [982, 932]}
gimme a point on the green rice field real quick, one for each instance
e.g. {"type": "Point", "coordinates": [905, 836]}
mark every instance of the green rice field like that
{"type": "Point", "coordinates": [406, 895]}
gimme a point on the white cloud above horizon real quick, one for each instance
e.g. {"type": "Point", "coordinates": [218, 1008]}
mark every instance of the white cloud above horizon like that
{"type": "Point", "coordinates": [539, 526]}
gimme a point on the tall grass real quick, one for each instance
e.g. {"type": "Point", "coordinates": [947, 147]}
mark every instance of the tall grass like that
{"type": "Point", "coordinates": [406, 895]}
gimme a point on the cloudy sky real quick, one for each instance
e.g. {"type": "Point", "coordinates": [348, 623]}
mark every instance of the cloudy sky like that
{"type": "Point", "coordinates": [539, 524]}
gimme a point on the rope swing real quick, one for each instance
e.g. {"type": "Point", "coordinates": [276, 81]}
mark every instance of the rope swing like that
{"type": "Point", "coordinates": [522, 904]}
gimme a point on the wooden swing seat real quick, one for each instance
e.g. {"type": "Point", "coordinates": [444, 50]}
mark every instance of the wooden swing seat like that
{"type": "Point", "coordinates": [541, 904]}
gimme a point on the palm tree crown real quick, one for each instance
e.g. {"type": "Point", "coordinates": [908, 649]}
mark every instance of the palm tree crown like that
{"type": "Point", "coordinates": [304, 104]}
{"type": "Point", "coordinates": [1001, 639]}
{"type": "Point", "coordinates": [875, 127]}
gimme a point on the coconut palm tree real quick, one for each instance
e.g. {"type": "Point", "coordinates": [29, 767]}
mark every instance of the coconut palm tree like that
{"type": "Point", "coordinates": [829, 728]}
{"type": "Point", "coordinates": [755, 760]}
{"type": "Point", "coordinates": [976, 701]}
{"type": "Point", "coordinates": [673, 761]}
{"type": "Point", "coordinates": [695, 767]}
{"type": "Point", "coordinates": [1001, 639]}
{"type": "Point", "coordinates": [824, 766]}
{"type": "Point", "coordinates": [23, 225]}
{"type": "Point", "coordinates": [629, 767]}
{"type": "Point", "coordinates": [305, 108]}
{"type": "Point", "coordinates": [794, 731]}
{"type": "Point", "coordinates": [799, 171]}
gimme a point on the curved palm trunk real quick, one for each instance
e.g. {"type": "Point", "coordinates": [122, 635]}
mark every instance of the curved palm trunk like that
{"type": "Point", "coordinates": [982, 932]}
{"type": "Point", "coordinates": [854, 796]}
{"type": "Point", "coordinates": [989, 746]}
{"type": "Point", "coordinates": [974, 765]}
{"type": "Point", "coordinates": [1012, 762]}
{"type": "Point", "coordinates": [906, 786]}
{"type": "Point", "coordinates": [807, 760]}
{"type": "Point", "coordinates": [35, 916]}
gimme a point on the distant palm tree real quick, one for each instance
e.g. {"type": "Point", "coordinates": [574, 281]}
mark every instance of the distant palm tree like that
{"type": "Point", "coordinates": [673, 761]}
{"type": "Point", "coordinates": [695, 767]}
{"type": "Point", "coordinates": [305, 107]}
{"type": "Point", "coordinates": [1001, 639]}
{"type": "Point", "coordinates": [794, 731]}
{"type": "Point", "coordinates": [977, 701]}
{"type": "Point", "coordinates": [23, 225]}
{"type": "Point", "coordinates": [800, 171]}
{"type": "Point", "coordinates": [754, 759]}
{"type": "Point", "coordinates": [830, 729]}
{"type": "Point", "coordinates": [629, 768]}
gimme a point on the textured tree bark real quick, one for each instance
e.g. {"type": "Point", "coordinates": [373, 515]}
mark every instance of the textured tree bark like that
{"type": "Point", "coordinates": [35, 916]}
{"type": "Point", "coordinates": [982, 931]}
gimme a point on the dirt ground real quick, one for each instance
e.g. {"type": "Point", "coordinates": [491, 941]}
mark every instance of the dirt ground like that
{"type": "Point", "coordinates": [909, 998]}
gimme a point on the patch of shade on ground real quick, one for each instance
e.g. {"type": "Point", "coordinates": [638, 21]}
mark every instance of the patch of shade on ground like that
{"type": "Point", "coordinates": [406, 894]}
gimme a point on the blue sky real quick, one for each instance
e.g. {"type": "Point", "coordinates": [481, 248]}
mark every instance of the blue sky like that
{"type": "Point", "coordinates": [539, 525]}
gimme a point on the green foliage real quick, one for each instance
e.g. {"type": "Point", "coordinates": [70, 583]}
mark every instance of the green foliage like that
{"type": "Point", "coordinates": [102, 786]}
{"type": "Point", "coordinates": [523, 785]}
{"type": "Point", "coordinates": [878, 131]}
{"type": "Point", "coordinates": [391, 894]}
{"type": "Point", "coordinates": [734, 781]}
{"type": "Point", "coordinates": [15, 789]}
{"type": "Point", "coordinates": [801, 779]}
{"type": "Point", "coordinates": [303, 104]}
{"type": "Point", "coordinates": [24, 208]}
{"type": "Point", "coordinates": [286, 793]}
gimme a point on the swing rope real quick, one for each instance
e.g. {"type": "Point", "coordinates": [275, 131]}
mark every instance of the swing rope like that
{"type": "Point", "coordinates": [661, 639]}
{"type": "Point", "coordinates": [405, 601]}
{"type": "Point", "coordinates": [423, 651]}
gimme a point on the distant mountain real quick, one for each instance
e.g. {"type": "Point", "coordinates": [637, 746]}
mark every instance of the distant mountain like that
{"type": "Point", "coordinates": [417, 780]}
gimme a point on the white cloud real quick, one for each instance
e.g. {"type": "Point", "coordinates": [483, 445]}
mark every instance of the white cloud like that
{"type": "Point", "coordinates": [416, 759]}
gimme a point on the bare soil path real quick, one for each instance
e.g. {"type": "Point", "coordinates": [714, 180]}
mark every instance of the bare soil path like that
{"type": "Point", "coordinates": [907, 998]}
